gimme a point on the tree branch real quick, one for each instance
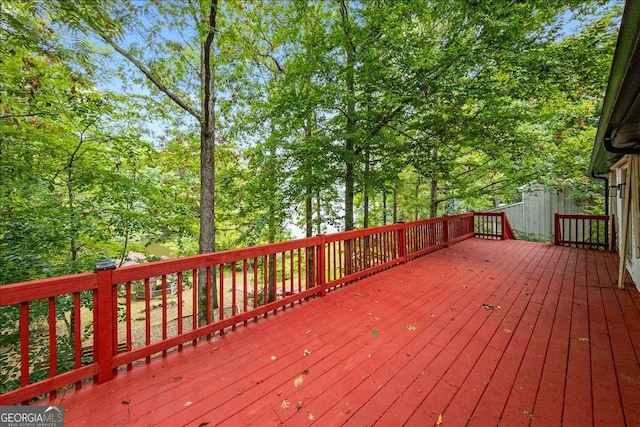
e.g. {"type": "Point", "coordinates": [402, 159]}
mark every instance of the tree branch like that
{"type": "Point", "coordinates": [152, 78]}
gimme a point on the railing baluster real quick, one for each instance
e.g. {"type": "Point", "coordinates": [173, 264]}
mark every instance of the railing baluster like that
{"type": "Point", "coordinates": [53, 353]}
{"type": "Point", "coordinates": [233, 293]}
{"type": "Point", "coordinates": [194, 303]}
{"type": "Point", "coordinates": [24, 346]}
{"type": "Point", "coordinates": [147, 311]}
{"type": "Point", "coordinates": [164, 311]}
{"type": "Point", "coordinates": [180, 319]}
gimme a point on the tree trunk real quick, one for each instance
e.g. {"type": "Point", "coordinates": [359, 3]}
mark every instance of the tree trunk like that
{"type": "Point", "coordinates": [308, 210]}
{"type": "Point", "coordinates": [207, 160]}
{"type": "Point", "coordinates": [349, 179]}
{"type": "Point", "coordinates": [416, 198]}
{"type": "Point", "coordinates": [384, 206]}
{"type": "Point", "coordinates": [395, 202]}
{"type": "Point", "coordinates": [367, 171]}
{"type": "Point", "coordinates": [433, 203]}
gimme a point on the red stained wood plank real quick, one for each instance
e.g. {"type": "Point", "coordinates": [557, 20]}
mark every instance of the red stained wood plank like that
{"type": "Point", "coordinates": [578, 405]}
{"type": "Point", "coordinates": [607, 407]}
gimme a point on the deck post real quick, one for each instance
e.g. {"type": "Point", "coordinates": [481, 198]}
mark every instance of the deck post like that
{"type": "Point", "coordinates": [445, 231]}
{"type": "Point", "coordinates": [556, 231]}
{"type": "Point", "coordinates": [104, 330]}
{"type": "Point", "coordinates": [321, 257]}
{"type": "Point", "coordinates": [402, 242]}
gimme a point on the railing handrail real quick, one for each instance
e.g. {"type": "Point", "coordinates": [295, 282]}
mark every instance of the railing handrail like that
{"type": "Point", "coordinates": [387, 245]}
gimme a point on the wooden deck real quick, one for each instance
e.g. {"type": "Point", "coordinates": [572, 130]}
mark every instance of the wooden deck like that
{"type": "Point", "coordinates": [482, 333]}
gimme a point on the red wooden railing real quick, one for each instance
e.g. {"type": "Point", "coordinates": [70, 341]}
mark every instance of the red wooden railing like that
{"type": "Point", "coordinates": [585, 231]}
{"type": "Point", "coordinates": [493, 225]}
{"type": "Point", "coordinates": [250, 282]}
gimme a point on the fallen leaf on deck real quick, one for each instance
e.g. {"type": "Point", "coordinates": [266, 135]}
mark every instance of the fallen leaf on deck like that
{"type": "Point", "coordinates": [528, 414]}
{"type": "Point", "coordinates": [273, 358]}
{"type": "Point", "coordinates": [583, 339]}
{"type": "Point", "coordinates": [375, 332]}
{"type": "Point", "coordinates": [299, 405]}
{"type": "Point", "coordinates": [298, 381]}
{"type": "Point", "coordinates": [305, 372]}
{"type": "Point", "coordinates": [126, 401]}
{"type": "Point", "coordinates": [285, 404]}
{"type": "Point", "coordinates": [306, 352]}
{"type": "Point", "coordinates": [176, 379]}
{"type": "Point", "coordinates": [375, 302]}
{"type": "Point", "coordinates": [311, 417]}
{"type": "Point", "coordinates": [464, 286]}
{"type": "Point", "coordinates": [350, 310]}
{"type": "Point", "coordinates": [308, 332]}
{"type": "Point", "coordinates": [439, 420]}
{"type": "Point", "coordinates": [204, 423]}
{"type": "Point", "coordinates": [411, 328]}
{"type": "Point", "coordinates": [487, 307]}
{"type": "Point", "coordinates": [280, 393]}
{"type": "Point", "coordinates": [507, 330]}
{"type": "Point", "coordinates": [376, 318]}
{"type": "Point", "coordinates": [187, 403]}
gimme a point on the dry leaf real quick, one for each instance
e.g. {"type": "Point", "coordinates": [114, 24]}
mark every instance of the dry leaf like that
{"type": "Point", "coordinates": [306, 352]}
{"type": "Point", "coordinates": [279, 392]}
{"type": "Point", "coordinates": [273, 358]}
{"type": "Point", "coordinates": [411, 328]}
{"type": "Point", "coordinates": [204, 423]}
{"type": "Point", "coordinates": [188, 403]}
{"type": "Point", "coordinates": [583, 339]}
{"type": "Point", "coordinates": [311, 417]}
{"type": "Point", "coordinates": [285, 404]}
{"type": "Point", "coordinates": [299, 405]}
{"type": "Point", "coordinates": [507, 330]}
{"type": "Point", "coordinates": [439, 420]}
{"type": "Point", "coordinates": [176, 379]}
{"type": "Point", "coordinates": [298, 381]}
{"type": "Point", "coordinates": [126, 401]}
{"type": "Point", "coordinates": [377, 318]}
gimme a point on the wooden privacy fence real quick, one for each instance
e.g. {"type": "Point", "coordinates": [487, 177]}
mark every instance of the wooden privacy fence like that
{"type": "Point", "coordinates": [240, 284]}
{"type": "Point", "coordinates": [585, 231]}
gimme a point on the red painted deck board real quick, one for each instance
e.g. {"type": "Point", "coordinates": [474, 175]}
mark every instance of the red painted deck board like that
{"type": "Point", "coordinates": [482, 333]}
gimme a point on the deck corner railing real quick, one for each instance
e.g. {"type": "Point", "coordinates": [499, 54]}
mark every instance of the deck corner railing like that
{"type": "Point", "coordinates": [585, 231]}
{"type": "Point", "coordinates": [493, 225]}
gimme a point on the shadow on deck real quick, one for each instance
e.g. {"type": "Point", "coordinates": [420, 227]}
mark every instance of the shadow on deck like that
{"type": "Point", "coordinates": [481, 333]}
